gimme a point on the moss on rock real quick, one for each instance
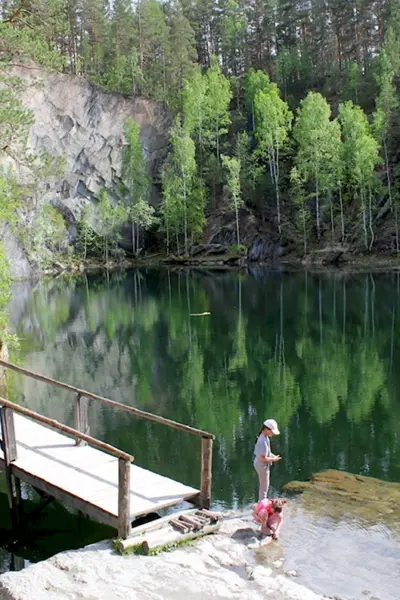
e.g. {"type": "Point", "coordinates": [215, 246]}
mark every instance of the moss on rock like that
{"type": "Point", "coordinates": [339, 493]}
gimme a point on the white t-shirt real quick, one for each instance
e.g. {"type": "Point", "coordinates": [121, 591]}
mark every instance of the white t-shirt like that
{"type": "Point", "coordinates": [262, 447]}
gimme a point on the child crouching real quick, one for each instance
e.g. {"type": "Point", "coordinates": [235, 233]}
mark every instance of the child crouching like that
{"type": "Point", "coordinates": [269, 514]}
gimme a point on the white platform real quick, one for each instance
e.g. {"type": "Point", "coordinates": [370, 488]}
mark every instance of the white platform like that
{"type": "Point", "coordinates": [88, 474]}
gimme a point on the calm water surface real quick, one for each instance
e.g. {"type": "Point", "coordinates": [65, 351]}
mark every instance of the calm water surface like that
{"type": "Point", "coordinates": [318, 352]}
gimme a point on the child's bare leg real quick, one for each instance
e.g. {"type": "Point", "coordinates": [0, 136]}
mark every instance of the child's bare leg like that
{"type": "Point", "coordinates": [265, 530]}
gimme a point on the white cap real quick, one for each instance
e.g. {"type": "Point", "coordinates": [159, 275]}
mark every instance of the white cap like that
{"type": "Point", "coordinates": [272, 425]}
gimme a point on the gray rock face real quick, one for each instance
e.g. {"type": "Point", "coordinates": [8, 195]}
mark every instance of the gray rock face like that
{"type": "Point", "coordinates": [85, 125]}
{"type": "Point", "coordinates": [19, 262]}
{"type": "Point", "coordinates": [264, 249]}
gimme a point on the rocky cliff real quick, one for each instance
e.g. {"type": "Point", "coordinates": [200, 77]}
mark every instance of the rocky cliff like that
{"type": "Point", "coordinates": [80, 122]}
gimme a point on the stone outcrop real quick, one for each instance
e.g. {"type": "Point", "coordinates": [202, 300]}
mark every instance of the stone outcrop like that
{"type": "Point", "coordinates": [219, 566]}
{"type": "Point", "coordinates": [85, 125]}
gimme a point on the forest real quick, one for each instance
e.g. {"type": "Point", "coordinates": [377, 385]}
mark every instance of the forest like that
{"type": "Point", "coordinates": [283, 108]}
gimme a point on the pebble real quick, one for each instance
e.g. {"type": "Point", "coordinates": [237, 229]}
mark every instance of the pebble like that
{"type": "Point", "coordinates": [292, 573]}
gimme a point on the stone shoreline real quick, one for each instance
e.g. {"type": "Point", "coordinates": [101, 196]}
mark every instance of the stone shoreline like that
{"type": "Point", "coordinates": [218, 566]}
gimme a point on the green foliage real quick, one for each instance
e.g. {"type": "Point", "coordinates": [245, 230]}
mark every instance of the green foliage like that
{"type": "Point", "coordinates": [217, 101]}
{"type": "Point", "coordinates": [47, 233]}
{"type": "Point", "coordinates": [256, 81]}
{"type": "Point", "coordinates": [181, 209]}
{"type": "Point", "coordinates": [88, 242]}
{"type": "Point", "coordinates": [134, 168]}
{"type": "Point", "coordinates": [137, 183]}
{"type": "Point", "coordinates": [360, 155]}
{"type": "Point", "coordinates": [318, 140]}
{"type": "Point", "coordinates": [110, 218]}
{"type": "Point", "coordinates": [232, 166]}
{"type": "Point", "coordinates": [27, 42]}
{"type": "Point", "coordinates": [302, 214]}
{"type": "Point", "coordinates": [273, 121]}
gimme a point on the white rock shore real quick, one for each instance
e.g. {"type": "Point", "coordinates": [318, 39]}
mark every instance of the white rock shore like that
{"type": "Point", "coordinates": [219, 566]}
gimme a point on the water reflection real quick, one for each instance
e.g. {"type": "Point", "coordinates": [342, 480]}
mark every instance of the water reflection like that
{"type": "Point", "coordinates": [317, 352]}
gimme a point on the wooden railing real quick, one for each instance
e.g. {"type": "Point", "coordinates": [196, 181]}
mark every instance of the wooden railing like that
{"type": "Point", "coordinates": [124, 459]}
{"type": "Point", "coordinates": [82, 424]}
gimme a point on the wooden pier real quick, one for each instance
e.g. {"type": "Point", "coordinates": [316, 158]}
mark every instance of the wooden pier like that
{"type": "Point", "coordinates": [94, 477]}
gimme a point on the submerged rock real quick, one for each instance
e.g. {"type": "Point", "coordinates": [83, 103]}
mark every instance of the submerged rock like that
{"type": "Point", "coordinates": [219, 566]}
{"type": "Point", "coordinates": [337, 493]}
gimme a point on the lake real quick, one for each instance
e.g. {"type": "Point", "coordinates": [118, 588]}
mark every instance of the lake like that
{"type": "Point", "coordinates": [223, 351]}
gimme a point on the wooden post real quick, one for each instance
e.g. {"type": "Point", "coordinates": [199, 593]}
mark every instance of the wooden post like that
{"type": "Point", "coordinates": [81, 418]}
{"type": "Point", "coordinates": [9, 447]}
{"type": "Point", "coordinates": [18, 506]}
{"type": "Point", "coordinates": [8, 435]}
{"type": "Point", "coordinates": [124, 504]}
{"type": "Point", "coordinates": [206, 472]}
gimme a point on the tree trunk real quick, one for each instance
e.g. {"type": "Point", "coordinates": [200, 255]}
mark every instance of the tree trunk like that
{"type": "Point", "coordinates": [185, 226]}
{"type": "Point", "coordinates": [237, 225]}
{"type": "Point", "coordinates": [275, 170]}
{"type": "Point", "coordinates": [332, 221]}
{"type": "Point", "coordinates": [397, 227]}
{"type": "Point", "coordinates": [364, 220]}
{"type": "Point", "coordinates": [304, 230]}
{"type": "Point", "coordinates": [317, 209]}
{"type": "Point", "coordinates": [278, 207]}
{"type": "Point", "coordinates": [133, 238]}
{"type": "Point", "coordinates": [341, 210]}
{"type": "Point", "coordinates": [167, 232]}
{"type": "Point", "coordinates": [389, 181]}
{"type": "Point", "coordinates": [217, 131]}
{"type": "Point", "coordinates": [370, 220]}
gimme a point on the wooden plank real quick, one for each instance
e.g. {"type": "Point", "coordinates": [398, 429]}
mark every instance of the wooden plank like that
{"type": "Point", "coordinates": [124, 486]}
{"type": "Point", "coordinates": [10, 454]}
{"type": "Point", "coordinates": [67, 430]}
{"type": "Point", "coordinates": [8, 435]}
{"type": "Point", "coordinates": [81, 418]}
{"type": "Point", "coordinates": [90, 474]}
{"type": "Point", "coordinates": [158, 523]}
{"type": "Point", "coordinates": [160, 538]}
{"type": "Point", "coordinates": [206, 472]}
{"type": "Point", "coordinates": [192, 521]}
{"type": "Point", "coordinates": [181, 527]}
{"type": "Point", "coordinates": [141, 414]}
{"type": "Point", "coordinates": [92, 511]}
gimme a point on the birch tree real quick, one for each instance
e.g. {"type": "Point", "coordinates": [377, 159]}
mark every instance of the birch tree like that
{"type": "Point", "coordinates": [273, 122]}
{"type": "Point", "coordinates": [361, 155]}
{"type": "Point", "coordinates": [218, 97]}
{"type": "Point", "coordinates": [256, 81]}
{"type": "Point", "coordinates": [386, 104]}
{"type": "Point", "coordinates": [136, 181]}
{"type": "Point", "coordinates": [316, 136]}
{"type": "Point", "coordinates": [179, 178]}
{"type": "Point", "coordinates": [194, 108]}
{"type": "Point", "coordinates": [232, 166]}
